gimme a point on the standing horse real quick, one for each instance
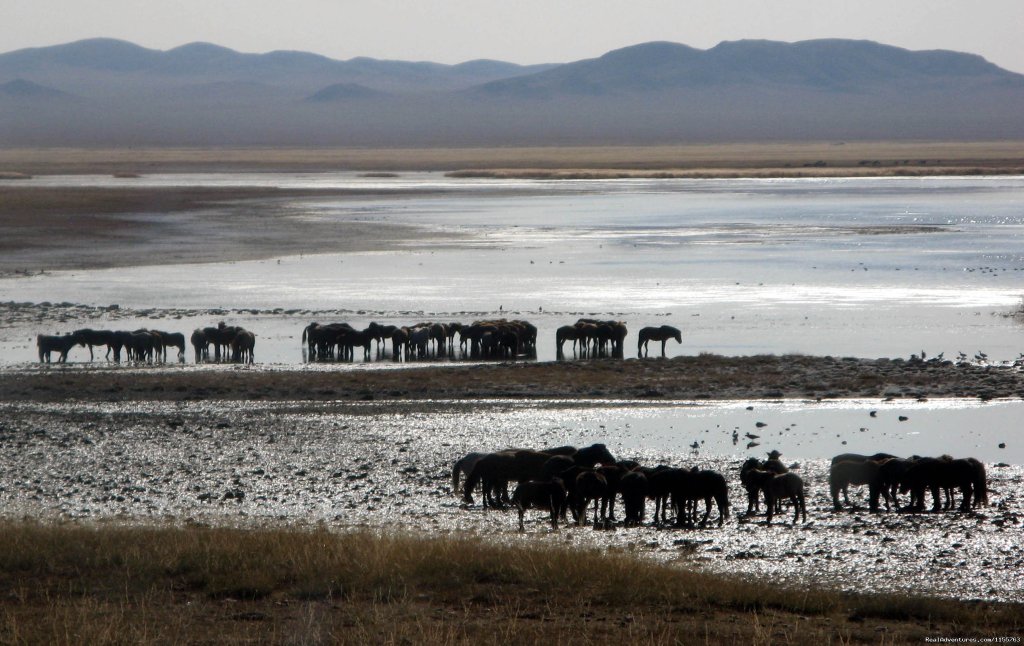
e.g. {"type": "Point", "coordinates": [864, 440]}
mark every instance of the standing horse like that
{"type": "Point", "coordinates": [174, 339]}
{"type": "Point", "coordinates": [61, 344]}
{"type": "Point", "coordinates": [549, 495]}
{"type": "Point", "coordinates": [88, 337]}
{"type": "Point", "coordinates": [777, 486]}
{"type": "Point", "coordinates": [663, 334]}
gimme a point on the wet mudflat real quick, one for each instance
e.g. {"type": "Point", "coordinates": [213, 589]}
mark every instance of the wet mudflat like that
{"type": "Point", "coordinates": [387, 465]}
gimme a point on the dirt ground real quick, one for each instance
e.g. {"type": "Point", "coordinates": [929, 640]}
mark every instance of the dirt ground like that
{"type": "Point", "coordinates": [693, 377]}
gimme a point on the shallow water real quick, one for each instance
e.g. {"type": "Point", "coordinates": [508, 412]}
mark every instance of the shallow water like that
{"type": "Point", "coordinates": [387, 465]}
{"type": "Point", "coordinates": [858, 267]}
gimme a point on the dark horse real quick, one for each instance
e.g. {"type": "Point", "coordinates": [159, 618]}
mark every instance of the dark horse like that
{"type": "Point", "coordinates": [61, 344]}
{"type": "Point", "coordinates": [495, 469]}
{"type": "Point", "coordinates": [753, 485]}
{"type": "Point", "coordinates": [547, 494]}
{"type": "Point", "coordinates": [936, 474]}
{"type": "Point", "coordinates": [173, 339]}
{"type": "Point", "coordinates": [691, 486]}
{"type": "Point", "coordinates": [663, 334]}
{"type": "Point", "coordinates": [92, 338]}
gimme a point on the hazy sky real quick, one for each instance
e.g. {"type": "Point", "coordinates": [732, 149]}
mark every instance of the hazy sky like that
{"type": "Point", "coordinates": [522, 31]}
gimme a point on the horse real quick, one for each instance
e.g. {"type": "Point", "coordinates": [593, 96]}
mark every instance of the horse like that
{"type": "Point", "coordinates": [563, 334]}
{"type": "Point", "coordinates": [891, 472]}
{"type": "Point", "coordinates": [844, 473]}
{"type": "Point", "coordinates": [200, 344]}
{"type": "Point", "coordinates": [663, 334]}
{"type": "Point", "coordinates": [242, 347]}
{"type": "Point", "coordinates": [694, 485]}
{"type": "Point", "coordinates": [500, 467]}
{"type": "Point", "coordinates": [659, 486]}
{"type": "Point", "coordinates": [121, 339]}
{"type": "Point", "coordinates": [772, 465]}
{"type": "Point", "coordinates": [91, 338]}
{"type": "Point", "coordinates": [173, 339]}
{"type": "Point", "coordinates": [50, 343]}
{"type": "Point", "coordinates": [780, 485]}
{"type": "Point", "coordinates": [857, 457]}
{"type": "Point", "coordinates": [542, 494]}
{"type": "Point", "coordinates": [380, 333]}
{"type": "Point", "coordinates": [464, 466]}
{"type": "Point", "coordinates": [141, 345]}
{"type": "Point", "coordinates": [943, 473]}
{"type": "Point", "coordinates": [590, 486]}
{"type": "Point", "coordinates": [400, 343]}
{"type": "Point", "coordinates": [633, 487]}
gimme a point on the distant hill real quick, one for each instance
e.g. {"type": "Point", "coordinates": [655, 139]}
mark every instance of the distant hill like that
{"type": "Point", "coordinates": [346, 91]}
{"type": "Point", "coordinates": [817, 64]}
{"type": "Point", "coordinates": [661, 92]}
{"type": "Point", "coordinates": [27, 90]}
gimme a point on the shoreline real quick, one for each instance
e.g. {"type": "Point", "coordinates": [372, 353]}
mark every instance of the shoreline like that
{"type": "Point", "coordinates": [103, 228]}
{"type": "Point", "coordinates": [687, 378]}
{"type": "Point", "coordinates": [809, 159]}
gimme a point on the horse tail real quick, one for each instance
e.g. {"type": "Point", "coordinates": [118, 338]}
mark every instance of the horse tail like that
{"type": "Point", "coordinates": [304, 334]}
{"type": "Point", "coordinates": [471, 480]}
{"type": "Point", "coordinates": [722, 499]}
{"type": "Point", "coordinates": [455, 475]}
{"type": "Point", "coordinates": [980, 485]}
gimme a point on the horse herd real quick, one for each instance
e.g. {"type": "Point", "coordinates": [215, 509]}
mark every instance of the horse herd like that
{"type": "Point", "coordinates": [151, 345]}
{"type": "Point", "coordinates": [499, 339]}
{"type": "Point", "coordinates": [490, 339]}
{"type": "Point", "coordinates": [139, 345]}
{"type": "Point", "coordinates": [568, 479]}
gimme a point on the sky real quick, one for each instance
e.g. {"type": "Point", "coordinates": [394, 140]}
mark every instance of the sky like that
{"type": "Point", "coordinates": [523, 31]}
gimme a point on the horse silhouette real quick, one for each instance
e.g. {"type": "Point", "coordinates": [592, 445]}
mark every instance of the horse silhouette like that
{"type": "Point", "coordinates": [547, 494]}
{"type": "Point", "coordinates": [945, 473]}
{"type": "Point", "coordinates": [693, 486]}
{"type": "Point", "coordinates": [662, 333]}
{"type": "Point", "coordinates": [91, 338]}
{"type": "Point", "coordinates": [844, 473]}
{"type": "Point", "coordinates": [52, 343]}
{"type": "Point", "coordinates": [633, 487]}
{"type": "Point", "coordinates": [777, 486]}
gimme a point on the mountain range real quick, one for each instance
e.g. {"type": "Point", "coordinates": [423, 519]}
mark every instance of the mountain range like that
{"type": "Point", "coordinates": [110, 92]}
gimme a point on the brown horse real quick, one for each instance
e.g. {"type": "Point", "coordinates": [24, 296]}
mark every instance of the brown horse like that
{"type": "Point", "coordinates": [777, 486]}
{"type": "Point", "coordinates": [663, 334]}
{"type": "Point", "coordinates": [503, 466]}
{"type": "Point", "coordinates": [546, 494]}
{"type": "Point", "coordinates": [844, 473]}
{"type": "Point", "coordinates": [936, 474]}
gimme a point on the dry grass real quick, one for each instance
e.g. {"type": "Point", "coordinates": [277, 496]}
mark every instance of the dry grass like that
{"type": "Point", "coordinates": [80, 584]}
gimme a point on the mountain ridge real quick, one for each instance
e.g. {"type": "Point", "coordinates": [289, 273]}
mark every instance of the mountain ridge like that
{"type": "Point", "coordinates": [203, 93]}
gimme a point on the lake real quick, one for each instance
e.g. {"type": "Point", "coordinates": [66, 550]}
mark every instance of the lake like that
{"type": "Point", "coordinates": [852, 267]}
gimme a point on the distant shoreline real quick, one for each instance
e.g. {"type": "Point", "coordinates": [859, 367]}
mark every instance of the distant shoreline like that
{"type": "Point", "coordinates": [727, 160]}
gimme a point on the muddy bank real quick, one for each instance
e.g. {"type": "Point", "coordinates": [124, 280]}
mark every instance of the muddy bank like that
{"type": "Point", "coordinates": [695, 377]}
{"type": "Point", "coordinates": [88, 228]}
{"type": "Point", "coordinates": [388, 466]}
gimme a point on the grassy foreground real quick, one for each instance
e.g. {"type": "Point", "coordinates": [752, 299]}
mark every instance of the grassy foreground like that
{"type": "Point", "coordinates": [71, 584]}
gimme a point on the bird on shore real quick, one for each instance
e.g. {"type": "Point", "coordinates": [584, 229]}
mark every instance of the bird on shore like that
{"type": "Point", "coordinates": [751, 436]}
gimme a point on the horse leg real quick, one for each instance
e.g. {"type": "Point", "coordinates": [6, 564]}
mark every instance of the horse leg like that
{"type": "Point", "coordinates": [663, 342]}
{"type": "Point", "coordinates": [522, 511]}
